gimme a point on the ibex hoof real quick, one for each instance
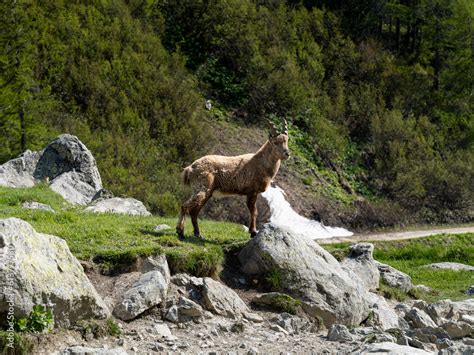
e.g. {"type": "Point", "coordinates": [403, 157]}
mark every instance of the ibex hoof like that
{"type": "Point", "coordinates": [253, 234]}
{"type": "Point", "coordinates": [199, 235]}
{"type": "Point", "coordinates": [180, 234]}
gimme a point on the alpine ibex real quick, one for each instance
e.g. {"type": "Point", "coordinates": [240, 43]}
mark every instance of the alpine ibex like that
{"type": "Point", "coordinates": [247, 174]}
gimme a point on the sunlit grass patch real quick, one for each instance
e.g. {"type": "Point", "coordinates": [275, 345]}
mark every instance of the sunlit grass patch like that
{"type": "Point", "coordinates": [114, 239]}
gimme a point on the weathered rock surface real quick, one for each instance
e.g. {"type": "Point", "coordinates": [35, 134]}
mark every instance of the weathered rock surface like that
{"type": "Point", "coordinates": [148, 291]}
{"type": "Point", "coordinates": [390, 349]}
{"type": "Point", "coordinates": [44, 272]}
{"type": "Point", "coordinates": [119, 205]}
{"type": "Point", "coordinates": [394, 277]}
{"type": "Point", "coordinates": [65, 154]}
{"type": "Point", "coordinates": [18, 172]}
{"type": "Point", "coordinates": [157, 263]}
{"type": "Point", "coordinates": [33, 205]}
{"type": "Point", "coordinates": [82, 350]}
{"type": "Point", "coordinates": [361, 262]}
{"type": "Point", "coordinates": [72, 188]}
{"type": "Point", "coordinates": [419, 319]}
{"type": "Point", "coordinates": [450, 266]}
{"type": "Point", "coordinates": [339, 332]}
{"type": "Point", "coordinates": [383, 315]}
{"type": "Point", "coordinates": [307, 272]}
{"type": "Point", "coordinates": [222, 300]}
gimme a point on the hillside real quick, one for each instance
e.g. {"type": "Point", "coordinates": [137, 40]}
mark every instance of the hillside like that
{"type": "Point", "coordinates": [379, 98]}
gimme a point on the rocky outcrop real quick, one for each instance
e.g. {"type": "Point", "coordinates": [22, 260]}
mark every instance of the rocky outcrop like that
{"type": "Point", "coordinates": [41, 270]}
{"type": "Point", "coordinates": [149, 291]}
{"type": "Point", "coordinates": [128, 206]}
{"type": "Point", "coordinates": [361, 262]}
{"type": "Point", "coordinates": [306, 271]}
{"type": "Point", "coordinates": [394, 277]}
{"type": "Point", "coordinates": [19, 172]}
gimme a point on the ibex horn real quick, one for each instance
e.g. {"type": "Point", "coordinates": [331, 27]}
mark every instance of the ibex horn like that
{"type": "Point", "coordinates": [286, 127]}
{"type": "Point", "coordinates": [273, 129]}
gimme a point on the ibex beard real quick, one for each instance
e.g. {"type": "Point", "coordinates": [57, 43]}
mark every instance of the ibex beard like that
{"type": "Point", "coordinates": [247, 174]}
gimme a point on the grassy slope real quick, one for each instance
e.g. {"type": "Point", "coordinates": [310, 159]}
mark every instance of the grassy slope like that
{"type": "Point", "coordinates": [118, 239]}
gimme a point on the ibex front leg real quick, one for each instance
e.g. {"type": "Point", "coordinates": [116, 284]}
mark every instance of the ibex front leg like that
{"type": "Point", "coordinates": [192, 207]}
{"type": "Point", "coordinates": [252, 206]}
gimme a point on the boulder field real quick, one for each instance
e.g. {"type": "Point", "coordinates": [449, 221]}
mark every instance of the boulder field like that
{"type": "Point", "coordinates": [334, 306]}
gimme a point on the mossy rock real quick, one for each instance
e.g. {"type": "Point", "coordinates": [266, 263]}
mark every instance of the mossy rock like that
{"type": "Point", "coordinates": [279, 302]}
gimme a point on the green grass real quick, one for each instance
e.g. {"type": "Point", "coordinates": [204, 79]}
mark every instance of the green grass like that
{"type": "Point", "coordinates": [409, 255]}
{"type": "Point", "coordinates": [113, 239]}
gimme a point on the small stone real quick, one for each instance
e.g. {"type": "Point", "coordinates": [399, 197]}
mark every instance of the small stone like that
{"type": "Point", "coordinates": [470, 291]}
{"type": "Point", "coordinates": [339, 332]}
{"type": "Point", "coordinates": [253, 317]}
{"type": "Point", "coordinates": [121, 342]}
{"type": "Point", "coordinates": [162, 330]}
{"type": "Point", "coordinates": [161, 227]}
{"type": "Point", "coordinates": [158, 347]}
{"type": "Point", "coordinates": [172, 314]}
{"type": "Point", "coordinates": [253, 351]}
{"type": "Point", "coordinates": [424, 288]}
{"type": "Point", "coordinates": [444, 343]}
{"type": "Point", "coordinates": [243, 346]}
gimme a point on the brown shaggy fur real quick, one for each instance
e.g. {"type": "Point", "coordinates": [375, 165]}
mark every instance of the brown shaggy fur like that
{"type": "Point", "coordinates": [247, 174]}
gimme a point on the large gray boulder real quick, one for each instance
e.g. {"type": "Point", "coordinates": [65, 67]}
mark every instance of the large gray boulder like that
{"type": "Point", "coordinates": [82, 350]}
{"type": "Point", "coordinates": [19, 172]}
{"type": "Point", "coordinates": [41, 270]}
{"type": "Point", "coordinates": [149, 291]}
{"type": "Point", "coordinates": [361, 262]}
{"type": "Point", "coordinates": [119, 205]}
{"type": "Point", "coordinates": [64, 154]}
{"type": "Point", "coordinates": [65, 163]}
{"type": "Point", "coordinates": [70, 167]}
{"type": "Point", "coordinates": [306, 271]}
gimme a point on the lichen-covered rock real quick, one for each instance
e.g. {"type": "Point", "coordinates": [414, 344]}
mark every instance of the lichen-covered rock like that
{"type": "Point", "coordinates": [19, 172]}
{"type": "Point", "coordinates": [44, 272]}
{"type": "Point", "coordinates": [222, 300]}
{"type": "Point", "coordinates": [147, 292]}
{"type": "Point", "coordinates": [361, 262]}
{"type": "Point", "coordinates": [307, 272]}
{"type": "Point", "coordinates": [394, 277]}
{"type": "Point", "coordinates": [119, 205]}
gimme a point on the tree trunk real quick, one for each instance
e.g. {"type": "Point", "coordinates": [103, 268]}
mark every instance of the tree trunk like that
{"type": "Point", "coordinates": [22, 129]}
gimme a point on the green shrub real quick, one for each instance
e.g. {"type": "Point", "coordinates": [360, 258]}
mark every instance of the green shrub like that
{"type": "Point", "coordinates": [40, 320]}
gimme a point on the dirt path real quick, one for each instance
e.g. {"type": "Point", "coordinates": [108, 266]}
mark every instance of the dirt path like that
{"type": "Point", "coordinates": [397, 235]}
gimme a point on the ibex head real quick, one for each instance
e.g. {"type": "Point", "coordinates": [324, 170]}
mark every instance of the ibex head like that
{"type": "Point", "coordinates": [279, 140]}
